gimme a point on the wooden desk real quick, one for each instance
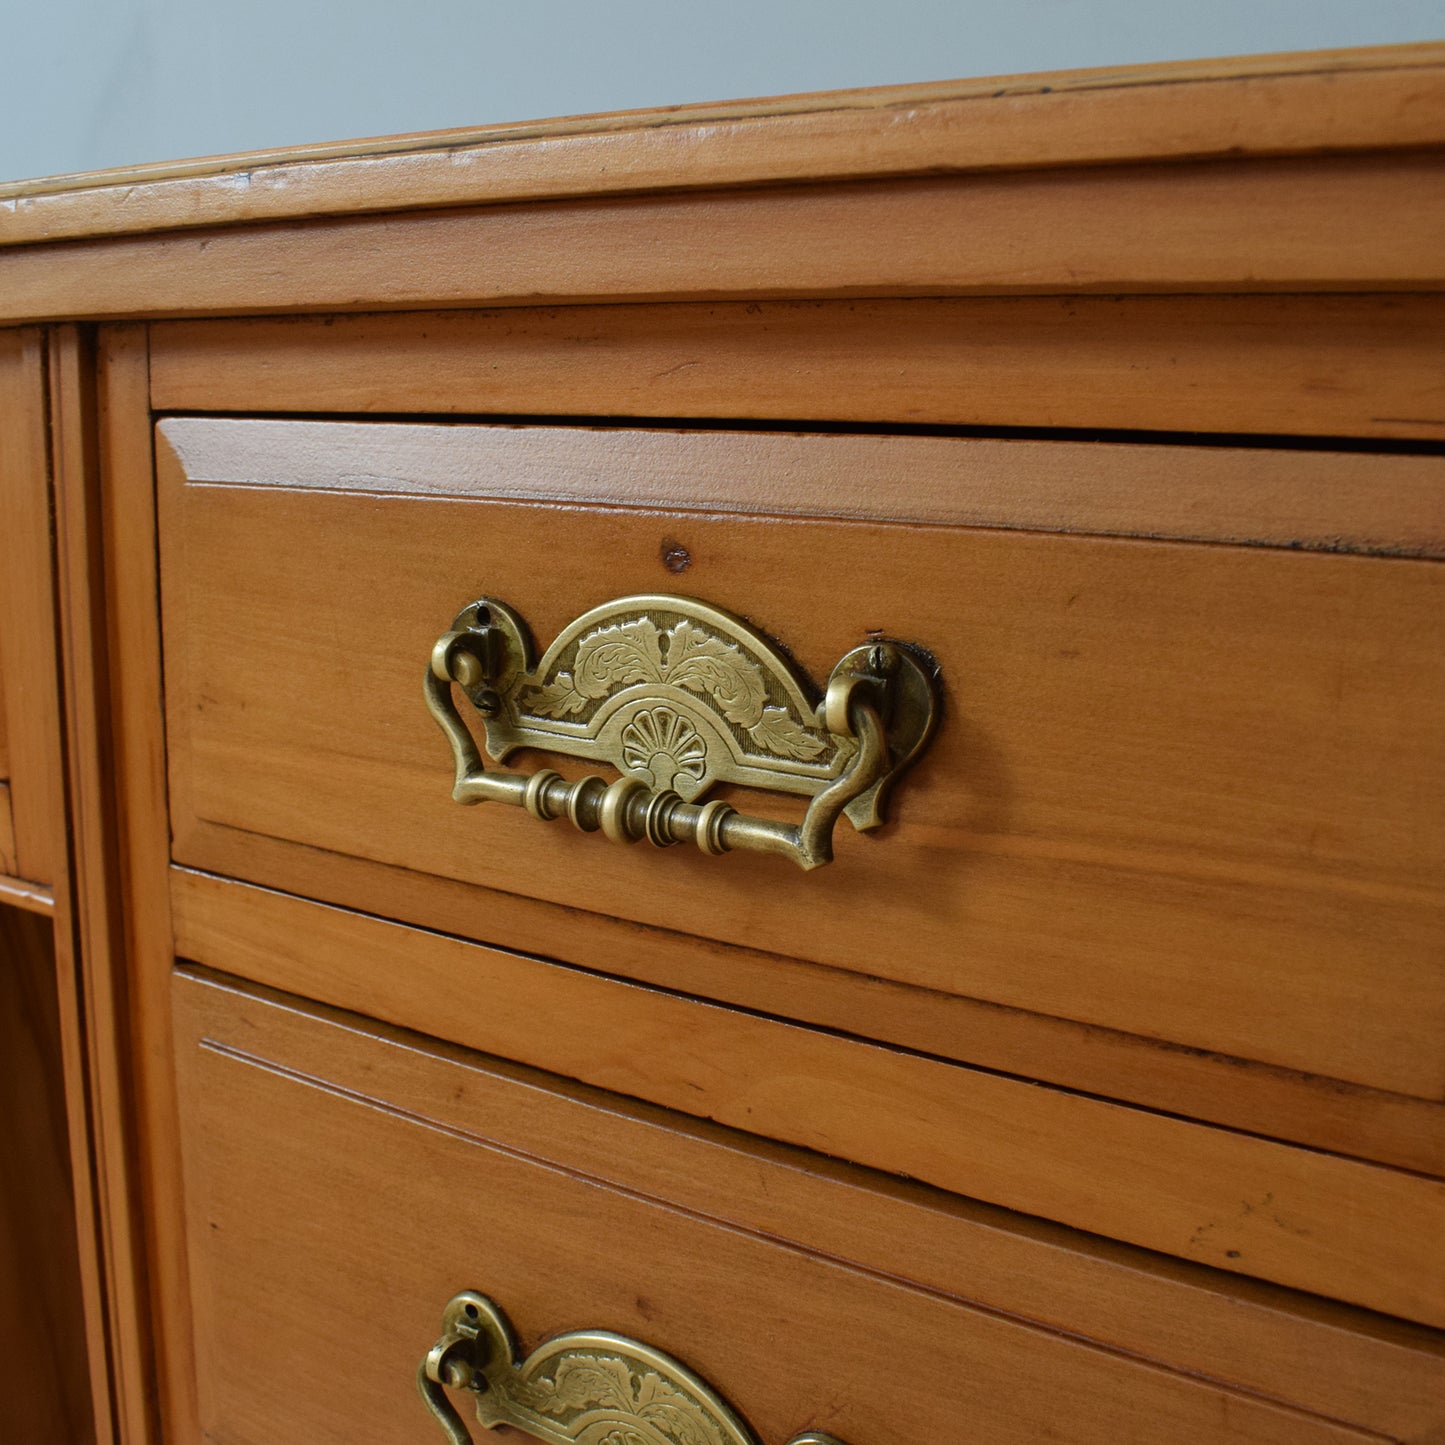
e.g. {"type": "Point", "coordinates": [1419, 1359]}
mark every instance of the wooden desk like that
{"type": "Point", "coordinates": [1099, 1094]}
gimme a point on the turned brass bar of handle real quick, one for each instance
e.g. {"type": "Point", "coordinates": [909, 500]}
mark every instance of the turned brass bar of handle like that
{"type": "Point", "coordinates": [678, 695]}
{"type": "Point", "coordinates": [589, 1386]}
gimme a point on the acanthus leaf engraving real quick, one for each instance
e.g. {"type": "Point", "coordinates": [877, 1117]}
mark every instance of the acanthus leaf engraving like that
{"type": "Point", "coordinates": [577, 1382]}
{"type": "Point", "coordinates": [686, 656]}
{"type": "Point", "coordinates": [559, 699]}
{"type": "Point", "coordinates": [779, 733]}
{"type": "Point", "coordinates": [618, 656]}
{"type": "Point", "coordinates": [615, 1399]}
{"type": "Point", "coordinates": [718, 670]}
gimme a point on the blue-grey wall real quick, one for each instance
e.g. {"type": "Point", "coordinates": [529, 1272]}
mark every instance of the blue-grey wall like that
{"type": "Point", "coordinates": [93, 83]}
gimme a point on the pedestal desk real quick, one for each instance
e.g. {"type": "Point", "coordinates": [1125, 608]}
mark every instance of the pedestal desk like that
{"type": "Point", "coordinates": [994, 528]}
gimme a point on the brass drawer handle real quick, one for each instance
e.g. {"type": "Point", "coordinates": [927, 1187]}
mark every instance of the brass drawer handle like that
{"type": "Point", "coordinates": [677, 696]}
{"type": "Point", "coordinates": [587, 1388]}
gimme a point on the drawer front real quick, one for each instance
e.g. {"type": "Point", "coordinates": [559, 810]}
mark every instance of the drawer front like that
{"type": "Point", "coordinates": [1188, 792]}
{"type": "Point", "coordinates": [812, 1296]}
{"type": "Point", "coordinates": [1300, 1217]}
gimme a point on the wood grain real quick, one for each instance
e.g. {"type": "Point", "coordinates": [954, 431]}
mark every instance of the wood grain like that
{"type": "Point", "coordinates": [1334, 1226]}
{"type": "Point", "coordinates": [143, 840]}
{"type": "Point", "coordinates": [1333, 224]}
{"type": "Point", "coordinates": [1196, 843]}
{"type": "Point", "coordinates": [129, 675]}
{"type": "Point", "coordinates": [561, 1247]}
{"type": "Point", "coordinates": [31, 411]}
{"type": "Point", "coordinates": [1259, 816]}
{"type": "Point", "coordinates": [44, 1382]}
{"type": "Point", "coordinates": [1321, 1357]}
{"type": "Point", "coordinates": [1265, 105]}
{"type": "Point", "coordinates": [27, 612]}
{"type": "Point", "coordinates": [7, 833]}
{"type": "Point", "coordinates": [103, 1002]}
{"type": "Point", "coordinates": [1321, 501]}
{"type": "Point", "coordinates": [1257, 1098]}
{"type": "Point", "coordinates": [1364, 366]}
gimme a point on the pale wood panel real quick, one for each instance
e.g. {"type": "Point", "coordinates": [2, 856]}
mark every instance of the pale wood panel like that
{"type": "Point", "coordinates": [34, 400]}
{"type": "Point", "coordinates": [89, 1315]}
{"type": "Point", "coordinates": [1335, 224]}
{"type": "Point", "coordinates": [1261, 105]}
{"type": "Point", "coordinates": [1331, 501]}
{"type": "Point", "coordinates": [1272, 1102]}
{"type": "Point", "coordinates": [1365, 366]}
{"type": "Point", "coordinates": [1321, 1357]}
{"type": "Point", "coordinates": [1262, 814]}
{"type": "Point", "coordinates": [281, 1219]}
{"type": "Point", "coordinates": [1333, 1226]}
{"type": "Point", "coordinates": [44, 1381]}
{"type": "Point", "coordinates": [102, 1000]}
{"type": "Point", "coordinates": [123, 851]}
{"type": "Point", "coordinates": [143, 841]}
{"type": "Point", "coordinates": [27, 611]}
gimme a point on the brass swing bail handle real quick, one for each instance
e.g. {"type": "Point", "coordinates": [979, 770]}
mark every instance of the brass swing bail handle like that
{"type": "Point", "coordinates": [574, 1385]}
{"type": "Point", "coordinates": [627, 811]}
{"type": "Point", "coordinates": [487, 655]}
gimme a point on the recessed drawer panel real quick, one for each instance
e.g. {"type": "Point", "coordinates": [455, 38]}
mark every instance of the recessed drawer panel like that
{"type": "Point", "coordinates": [811, 1295]}
{"type": "Point", "coordinates": [1190, 792]}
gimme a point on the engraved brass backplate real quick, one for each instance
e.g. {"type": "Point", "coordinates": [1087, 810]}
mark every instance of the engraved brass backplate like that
{"type": "Point", "coordinates": [587, 1388]}
{"type": "Point", "coordinates": [678, 696]}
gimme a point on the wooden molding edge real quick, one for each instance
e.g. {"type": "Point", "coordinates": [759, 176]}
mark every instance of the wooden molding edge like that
{"type": "Point", "coordinates": [1387, 97]}
{"type": "Point", "coordinates": [1008, 1142]}
{"type": "Point", "coordinates": [32, 897]}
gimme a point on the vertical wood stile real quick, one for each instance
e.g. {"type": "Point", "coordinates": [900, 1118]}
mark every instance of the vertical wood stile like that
{"type": "Point", "coordinates": [133, 643]}
{"type": "Point", "coordinates": [28, 609]}
{"type": "Point", "coordinates": [97, 801]}
{"type": "Point", "coordinates": [27, 595]}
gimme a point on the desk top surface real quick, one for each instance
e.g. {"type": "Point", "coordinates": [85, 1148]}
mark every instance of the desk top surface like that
{"type": "Point", "coordinates": [1326, 102]}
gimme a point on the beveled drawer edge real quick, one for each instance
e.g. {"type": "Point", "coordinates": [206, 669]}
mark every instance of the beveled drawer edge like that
{"type": "Point", "coordinates": [1310, 1354]}
{"type": "Point", "coordinates": [1336, 1226]}
{"type": "Point", "coordinates": [1326, 1114]}
{"type": "Point", "coordinates": [1332, 501]}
